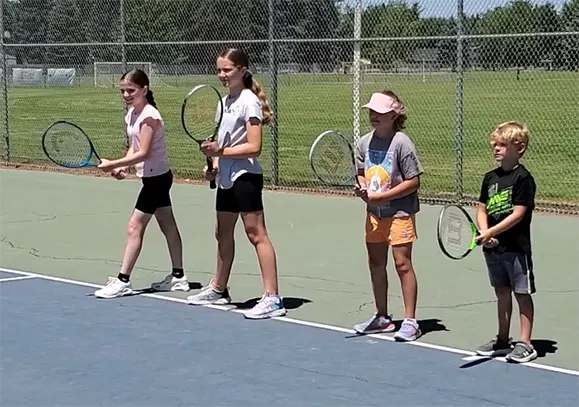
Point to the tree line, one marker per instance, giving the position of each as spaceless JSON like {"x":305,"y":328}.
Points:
{"x":214,"y":24}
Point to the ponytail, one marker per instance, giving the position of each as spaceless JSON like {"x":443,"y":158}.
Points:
{"x":150,"y":98}
{"x":258,"y":90}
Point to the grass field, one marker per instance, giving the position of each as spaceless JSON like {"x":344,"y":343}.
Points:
{"x":548,"y":102}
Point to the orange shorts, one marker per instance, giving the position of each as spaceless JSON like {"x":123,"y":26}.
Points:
{"x":392,"y":231}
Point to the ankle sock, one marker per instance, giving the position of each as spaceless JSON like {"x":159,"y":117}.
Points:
{"x":177,"y":273}
{"x":124,"y":277}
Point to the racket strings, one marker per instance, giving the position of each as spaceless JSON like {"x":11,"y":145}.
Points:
{"x":456,"y":232}
{"x":67,"y":146}
{"x":202,"y":113}
{"x":332,"y":160}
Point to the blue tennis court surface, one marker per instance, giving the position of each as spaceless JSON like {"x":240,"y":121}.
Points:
{"x":60,"y":343}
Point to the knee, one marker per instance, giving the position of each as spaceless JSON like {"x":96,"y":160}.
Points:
{"x":223,"y":233}
{"x":503,"y":293}
{"x":376,"y":262}
{"x":403,"y":265}
{"x":255,"y":234}
{"x":135,"y":229}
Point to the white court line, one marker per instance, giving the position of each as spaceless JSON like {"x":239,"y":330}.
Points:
{"x":3,"y":280}
{"x":468,"y":354}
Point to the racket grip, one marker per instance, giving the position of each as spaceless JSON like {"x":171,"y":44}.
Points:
{"x":212,"y":183}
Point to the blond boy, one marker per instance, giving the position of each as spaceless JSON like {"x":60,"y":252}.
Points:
{"x":503,"y":217}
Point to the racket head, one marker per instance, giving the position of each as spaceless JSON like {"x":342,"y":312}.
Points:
{"x":456,"y":232}
{"x":332,"y":160}
{"x":68,"y":146}
{"x":201,"y":113}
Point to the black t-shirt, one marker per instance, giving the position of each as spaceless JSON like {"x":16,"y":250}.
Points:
{"x":500,"y":191}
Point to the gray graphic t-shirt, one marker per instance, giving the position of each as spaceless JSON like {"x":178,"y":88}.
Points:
{"x":386,"y":163}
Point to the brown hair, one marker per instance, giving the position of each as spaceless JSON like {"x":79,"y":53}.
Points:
{"x":240,"y":59}
{"x":401,"y":119}
{"x":140,"y":78}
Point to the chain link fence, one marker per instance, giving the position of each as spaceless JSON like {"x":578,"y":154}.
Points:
{"x":459,"y":71}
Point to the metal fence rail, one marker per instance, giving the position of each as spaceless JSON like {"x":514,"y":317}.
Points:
{"x":459,"y":71}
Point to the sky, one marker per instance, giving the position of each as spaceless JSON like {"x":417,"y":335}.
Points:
{"x":447,"y":8}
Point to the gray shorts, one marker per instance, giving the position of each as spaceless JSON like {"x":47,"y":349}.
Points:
{"x":509,"y":269}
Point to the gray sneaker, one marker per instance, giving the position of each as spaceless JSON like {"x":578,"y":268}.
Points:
{"x":376,"y":324}
{"x":208,"y":295}
{"x":409,"y":331}
{"x":495,"y":347}
{"x":522,"y":353}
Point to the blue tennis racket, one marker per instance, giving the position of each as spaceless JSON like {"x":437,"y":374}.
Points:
{"x":67,"y":145}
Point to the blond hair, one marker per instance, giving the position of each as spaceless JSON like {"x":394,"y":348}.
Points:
{"x":240,"y":59}
{"x":511,"y":132}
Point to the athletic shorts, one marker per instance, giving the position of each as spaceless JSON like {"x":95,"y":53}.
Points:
{"x":511,"y":269}
{"x":244,"y":196}
{"x":392,"y":231}
{"x":155,"y":193}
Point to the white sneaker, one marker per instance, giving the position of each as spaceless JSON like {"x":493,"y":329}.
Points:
{"x":268,"y":307}
{"x":171,"y":283}
{"x":208,"y":295}
{"x":114,"y":288}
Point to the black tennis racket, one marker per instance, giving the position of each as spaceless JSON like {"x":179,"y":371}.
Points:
{"x":201,"y":115}
{"x":456,"y":232}
{"x":332,"y":160}
{"x":67,"y":145}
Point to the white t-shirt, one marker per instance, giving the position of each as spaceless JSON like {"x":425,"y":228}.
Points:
{"x":233,"y":131}
{"x":158,"y":162}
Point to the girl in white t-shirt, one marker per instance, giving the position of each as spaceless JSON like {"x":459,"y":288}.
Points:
{"x":148,"y":154}
{"x":239,"y":178}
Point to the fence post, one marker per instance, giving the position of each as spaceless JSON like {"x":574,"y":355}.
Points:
{"x":123,"y":61}
{"x":356,"y":77}
{"x":3,"y":85}
{"x":273,"y":67}
{"x":459,"y":102}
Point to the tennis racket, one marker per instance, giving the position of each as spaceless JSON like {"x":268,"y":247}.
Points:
{"x":332,"y":160}
{"x":199,"y":116}
{"x":67,"y":145}
{"x":456,"y":232}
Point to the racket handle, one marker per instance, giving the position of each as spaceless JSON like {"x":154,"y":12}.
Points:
{"x":212,"y":183}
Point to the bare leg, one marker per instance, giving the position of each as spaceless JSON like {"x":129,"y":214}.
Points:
{"x":377,"y":259}
{"x":403,"y":260}
{"x":135,"y":232}
{"x":168,"y":225}
{"x":224,"y":233}
{"x":254,"y":223}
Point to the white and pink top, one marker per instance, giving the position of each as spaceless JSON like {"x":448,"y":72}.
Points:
{"x":158,"y":162}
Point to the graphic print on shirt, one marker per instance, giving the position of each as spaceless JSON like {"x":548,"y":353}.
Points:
{"x":499,"y":202}
{"x":378,"y":170}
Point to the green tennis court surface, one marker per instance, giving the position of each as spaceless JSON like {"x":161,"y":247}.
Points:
{"x":73,"y":227}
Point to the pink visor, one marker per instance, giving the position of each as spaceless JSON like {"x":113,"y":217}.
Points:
{"x":382,"y":104}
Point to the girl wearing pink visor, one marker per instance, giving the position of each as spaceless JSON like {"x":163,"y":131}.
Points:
{"x":389,"y":171}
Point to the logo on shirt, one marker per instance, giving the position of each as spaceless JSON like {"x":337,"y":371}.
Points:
{"x":499,"y":202}
{"x":378,"y":170}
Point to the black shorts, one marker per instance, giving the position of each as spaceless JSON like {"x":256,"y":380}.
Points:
{"x":511,"y":269}
{"x":155,"y":193}
{"x":244,"y":196}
